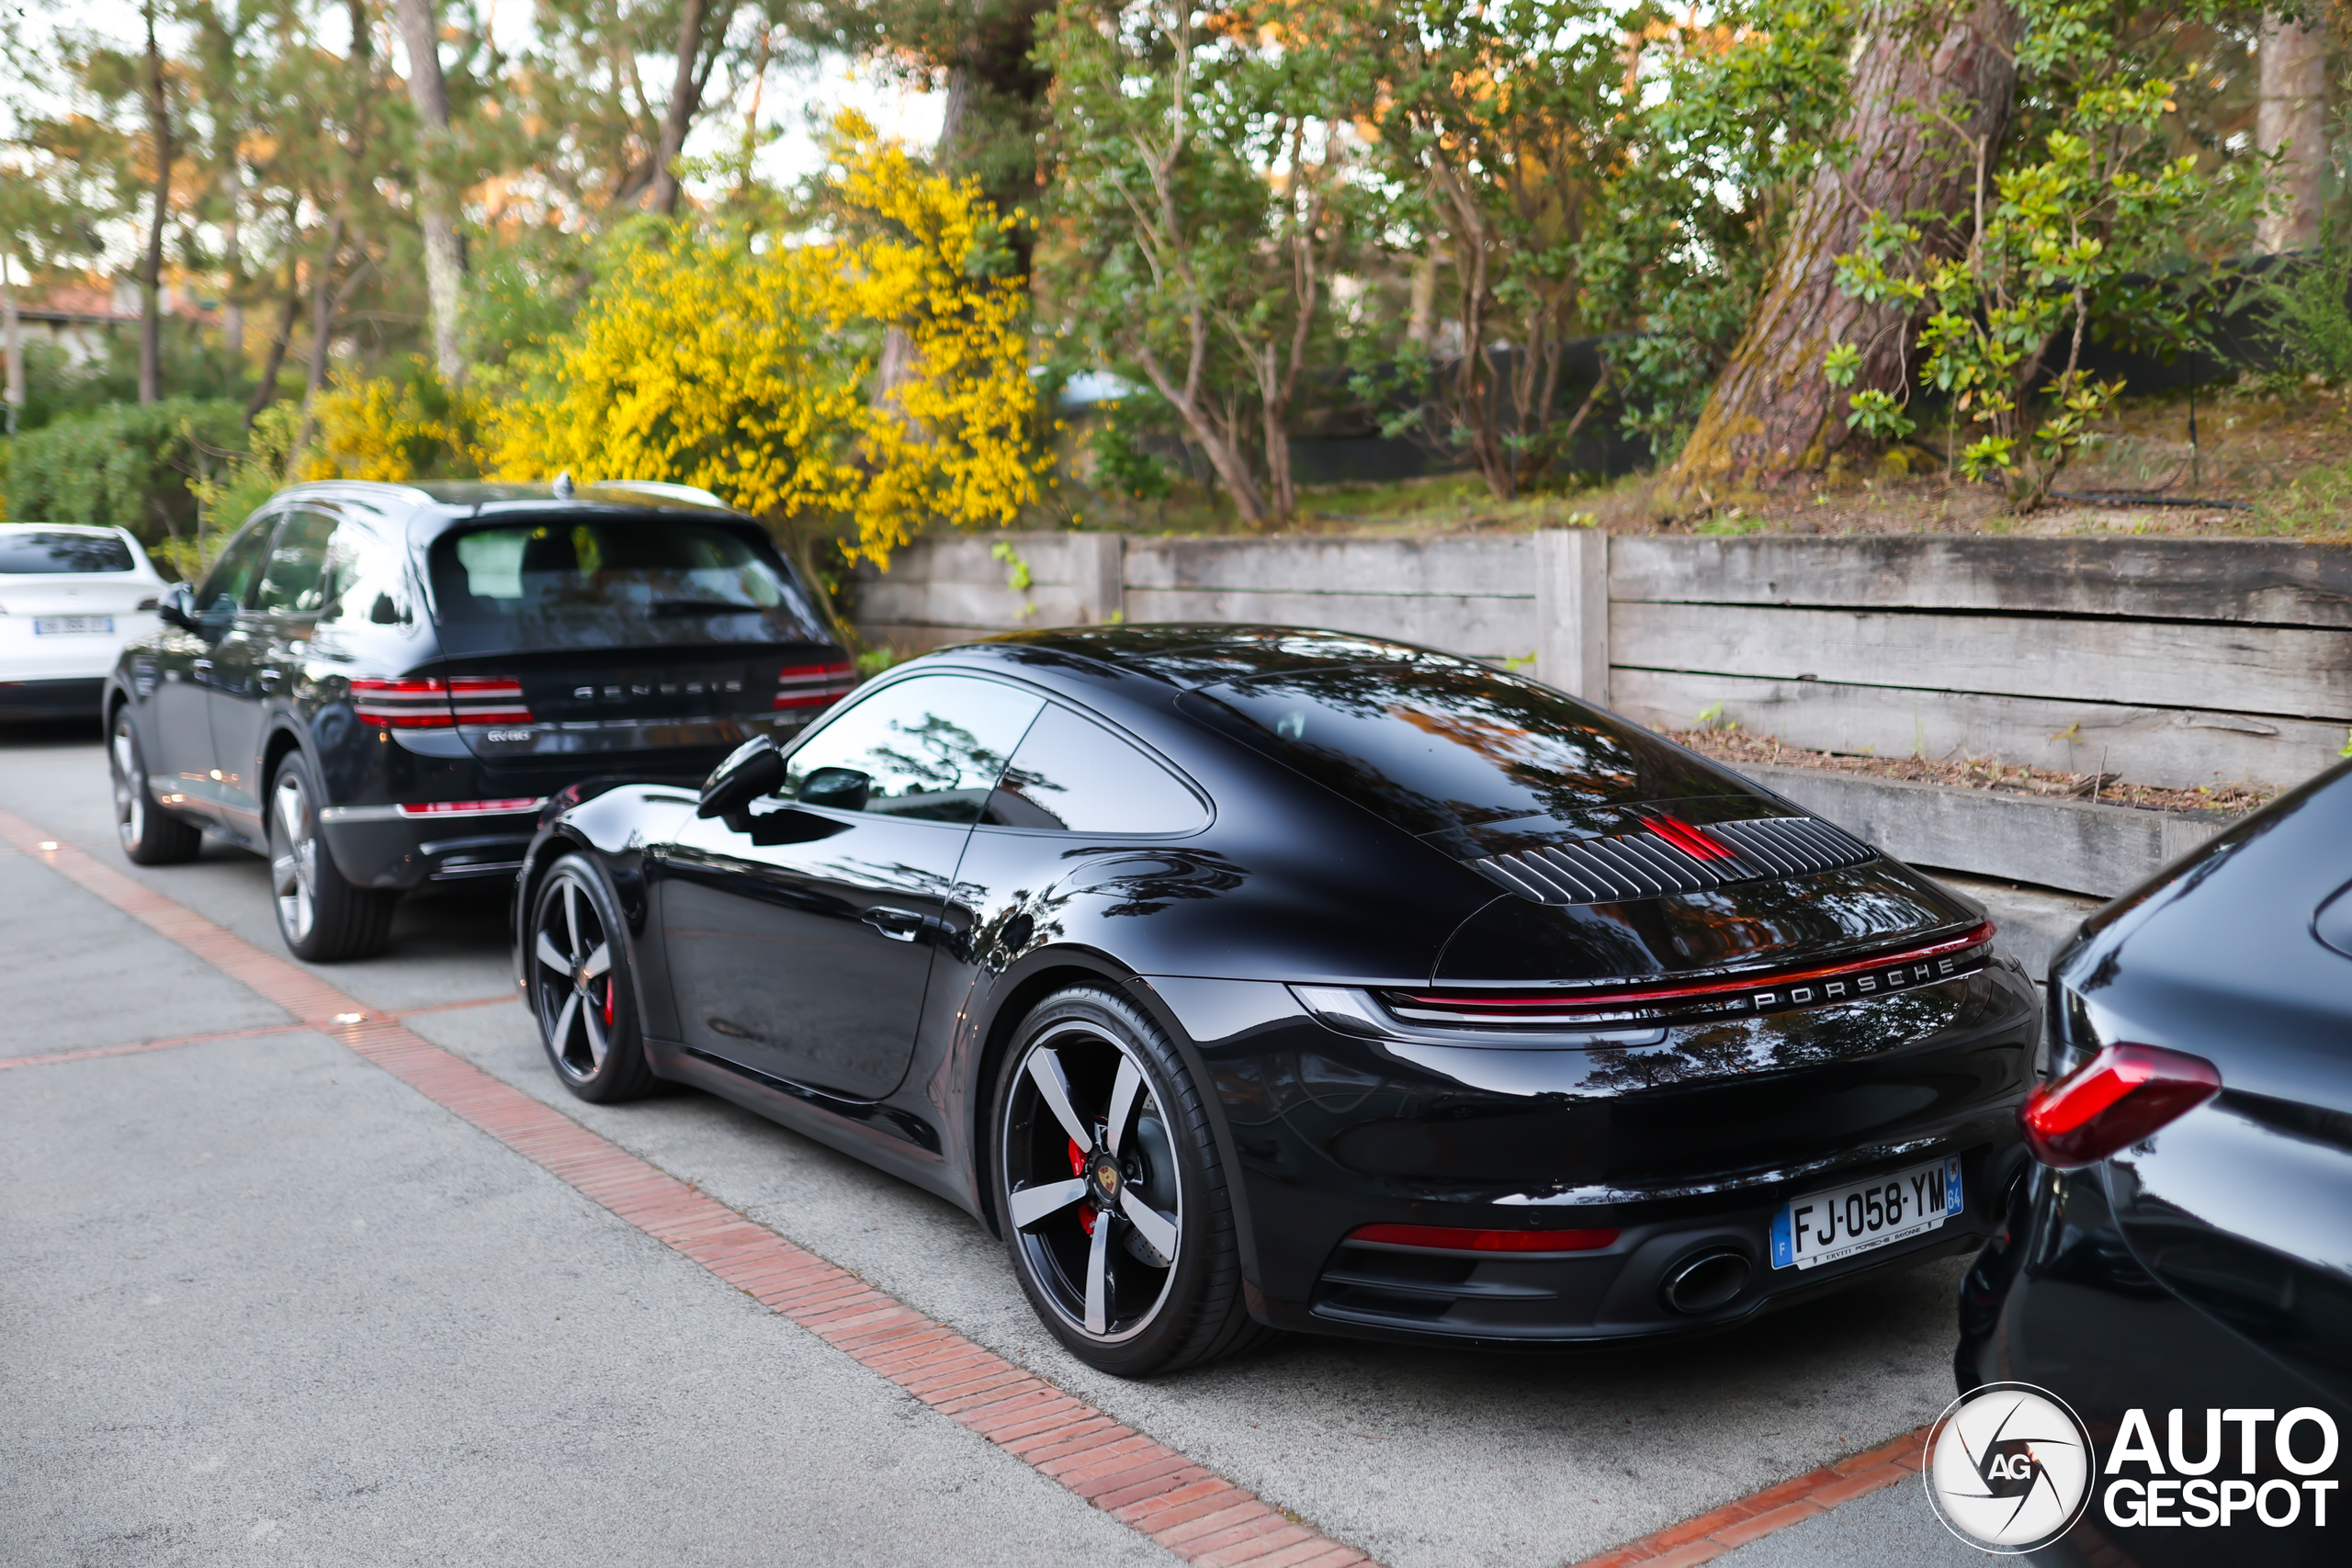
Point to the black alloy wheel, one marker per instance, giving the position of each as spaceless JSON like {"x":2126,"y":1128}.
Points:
{"x":1110,"y":1193}
{"x":322,"y":915}
{"x":150,"y":835}
{"x":580,"y":987}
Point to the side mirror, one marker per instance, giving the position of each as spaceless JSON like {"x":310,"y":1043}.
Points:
{"x":754,"y":768}
{"x":843,"y":789}
{"x":178,"y":607}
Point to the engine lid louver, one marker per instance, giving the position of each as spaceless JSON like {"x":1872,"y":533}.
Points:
{"x":1654,"y":861}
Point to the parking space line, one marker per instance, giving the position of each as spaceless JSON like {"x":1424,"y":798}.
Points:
{"x":1184,"y":1507}
{"x":1711,"y":1534}
{"x":134,"y":1048}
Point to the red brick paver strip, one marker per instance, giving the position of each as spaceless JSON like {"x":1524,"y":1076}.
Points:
{"x":1775,"y":1509}
{"x":988,"y":1394}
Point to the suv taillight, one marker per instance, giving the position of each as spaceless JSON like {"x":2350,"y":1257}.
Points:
{"x":813,"y":685}
{"x":2113,"y":1101}
{"x":430,"y":703}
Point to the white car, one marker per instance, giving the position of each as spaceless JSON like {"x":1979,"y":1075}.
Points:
{"x":70,"y":598}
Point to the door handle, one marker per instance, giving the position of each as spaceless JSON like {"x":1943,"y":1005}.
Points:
{"x":203,"y":667}
{"x":267,"y":680}
{"x":898,"y":925}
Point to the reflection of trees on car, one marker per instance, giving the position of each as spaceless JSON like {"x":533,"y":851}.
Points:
{"x":1432,"y":742}
{"x":940,"y":754}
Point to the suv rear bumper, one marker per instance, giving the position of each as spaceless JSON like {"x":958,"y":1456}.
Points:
{"x":77,"y":697}
{"x":393,"y":846}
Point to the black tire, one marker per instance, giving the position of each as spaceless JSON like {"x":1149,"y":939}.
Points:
{"x":150,"y":835}
{"x":1153,"y":1313}
{"x":583,"y":993}
{"x":322,"y":916}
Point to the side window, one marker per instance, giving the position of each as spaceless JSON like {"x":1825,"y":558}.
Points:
{"x":293,"y":583}
{"x":229,"y":586}
{"x":1071,"y":775}
{"x":362,"y":583}
{"x":931,"y":747}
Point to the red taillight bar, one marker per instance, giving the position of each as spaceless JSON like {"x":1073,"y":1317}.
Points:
{"x":2113,"y":1101}
{"x":1626,"y":996}
{"x":427,"y":702}
{"x":1449,"y":1238}
{"x":469,"y":807}
{"x":814,"y":685}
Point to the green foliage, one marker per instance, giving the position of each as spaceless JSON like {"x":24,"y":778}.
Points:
{"x":1740,"y":118}
{"x":126,"y":465}
{"x":2095,"y":221}
{"x":1121,"y":464}
{"x":2306,"y":308}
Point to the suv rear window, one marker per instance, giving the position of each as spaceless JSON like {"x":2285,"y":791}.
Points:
{"x":601,"y":581}
{"x":1431,"y":742}
{"x":39,"y":552}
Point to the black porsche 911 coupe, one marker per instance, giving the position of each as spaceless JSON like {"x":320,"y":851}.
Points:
{"x":1251,"y":978}
{"x":2184,"y":1251}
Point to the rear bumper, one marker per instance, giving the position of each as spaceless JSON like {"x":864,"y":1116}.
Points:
{"x":1619,"y":1294}
{"x":378,"y":846}
{"x":74,"y":697}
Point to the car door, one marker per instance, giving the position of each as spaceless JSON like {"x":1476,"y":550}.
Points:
{"x":799,"y":933}
{"x":253,"y":664}
{"x":188,"y":664}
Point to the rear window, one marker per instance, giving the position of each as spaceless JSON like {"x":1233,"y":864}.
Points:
{"x":40,"y":552}
{"x":604,"y":583}
{"x":1432,"y":743}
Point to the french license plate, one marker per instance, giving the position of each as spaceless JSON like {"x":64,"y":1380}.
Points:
{"x":71,"y":625}
{"x":1822,"y":1227}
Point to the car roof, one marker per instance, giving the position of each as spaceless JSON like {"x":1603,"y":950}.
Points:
{"x":428,"y":508}
{"x":1187,"y":655}
{"x":95,"y":529}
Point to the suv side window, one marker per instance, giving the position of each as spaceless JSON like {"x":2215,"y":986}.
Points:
{"x":930,"y":746}
{"x":229,"y":586}
{"x":1069,"y":775}
{"x":293,"y":583}
{"x":363,"y":583}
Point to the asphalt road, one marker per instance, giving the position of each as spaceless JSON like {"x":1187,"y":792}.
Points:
{"x":259,"y":1302}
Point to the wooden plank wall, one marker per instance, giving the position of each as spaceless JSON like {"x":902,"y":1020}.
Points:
{"x":2178,"y":662}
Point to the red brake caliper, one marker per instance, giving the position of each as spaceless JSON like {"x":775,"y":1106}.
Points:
{"x":608,"y":1001}
{"x":1078,"y":1169}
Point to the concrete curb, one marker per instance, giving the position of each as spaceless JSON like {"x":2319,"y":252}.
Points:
{"x":2069,"y":844}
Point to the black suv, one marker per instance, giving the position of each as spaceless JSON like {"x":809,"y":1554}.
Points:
{"x":377,"y":685}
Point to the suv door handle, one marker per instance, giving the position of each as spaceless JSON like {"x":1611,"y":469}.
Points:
{"x":898,"y":925}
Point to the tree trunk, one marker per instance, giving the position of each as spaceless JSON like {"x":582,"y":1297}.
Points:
{"x":12,"y":342}
{"x":151,"y":272}
{"x":444,"y":268}
{"x":2292,"y":113}
{"x":678,"y":118}
{"x":265,"y":388}
{"x":1922,"y":123}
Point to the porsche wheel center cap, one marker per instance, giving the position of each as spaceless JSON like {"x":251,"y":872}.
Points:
{"x":1107,"y":1179}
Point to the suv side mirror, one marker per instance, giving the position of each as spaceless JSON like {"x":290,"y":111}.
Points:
{"x":178,"y":607}
{"x":843,"y":789}
{"x":754,"y":768}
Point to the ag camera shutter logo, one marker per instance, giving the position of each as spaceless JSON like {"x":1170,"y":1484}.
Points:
{"x":2009,"y":1467}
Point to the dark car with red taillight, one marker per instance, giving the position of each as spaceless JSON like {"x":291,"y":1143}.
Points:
{"x":2177,"y":1265}
{"x":379,"y":685}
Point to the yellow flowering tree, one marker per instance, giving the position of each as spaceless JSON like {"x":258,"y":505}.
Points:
{"x":747,"y":368}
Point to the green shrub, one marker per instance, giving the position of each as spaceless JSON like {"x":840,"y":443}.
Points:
{"x":125,"y":465}
{"x":2305,"y":303}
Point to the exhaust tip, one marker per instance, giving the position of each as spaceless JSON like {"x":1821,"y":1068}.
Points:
{"x":1703,"y":1282}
